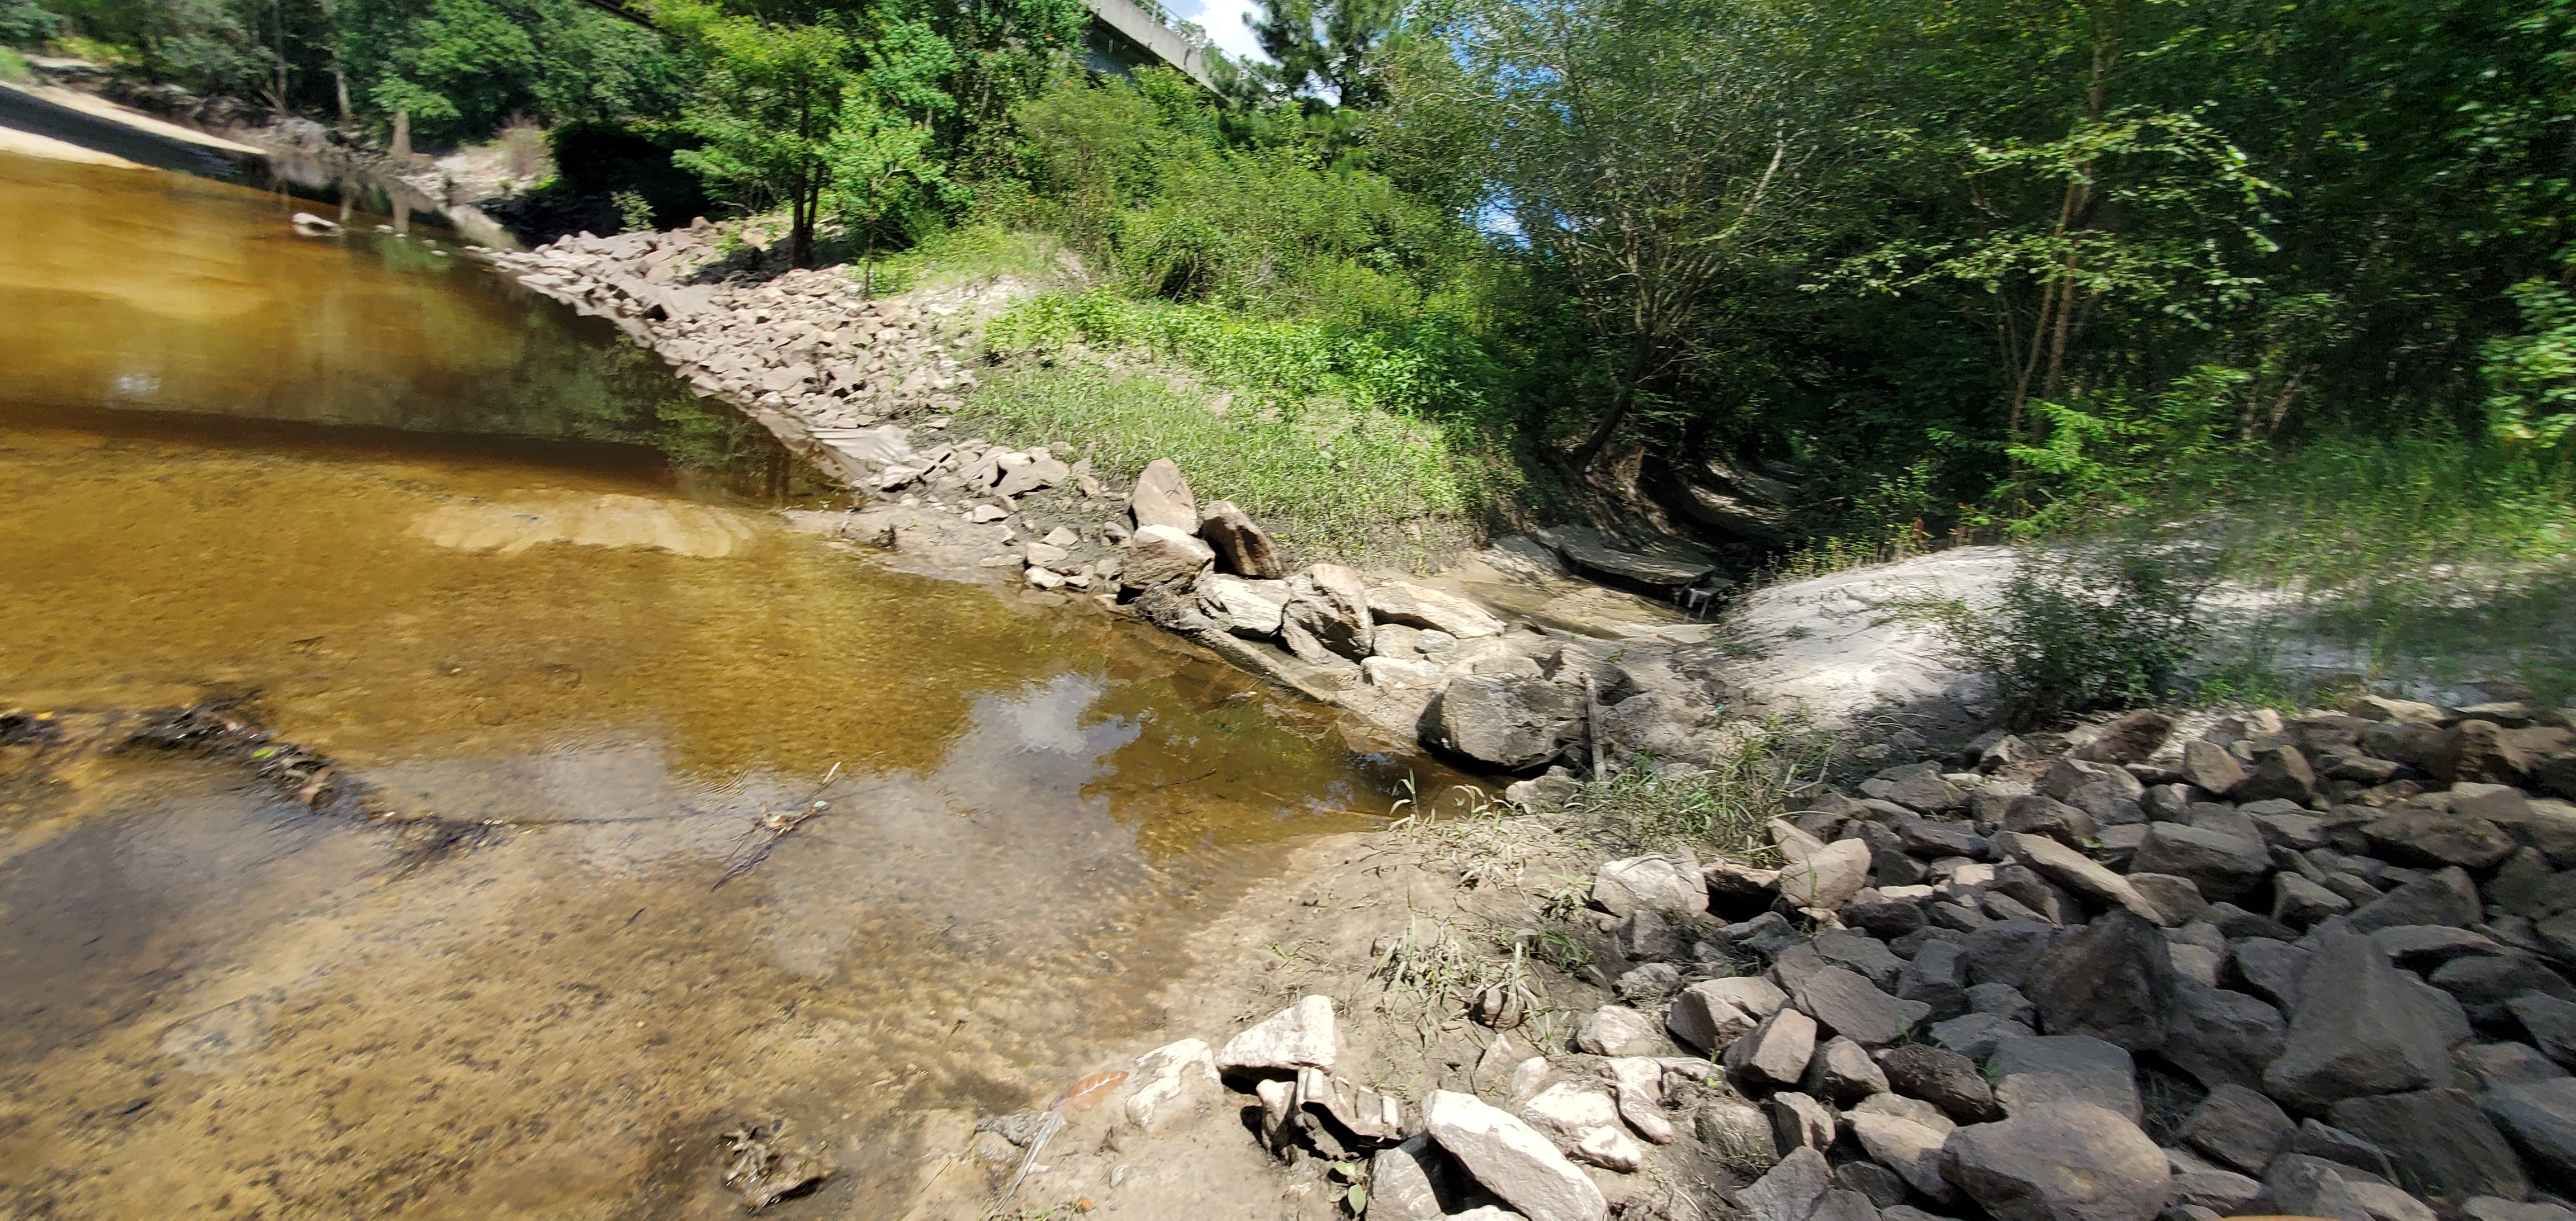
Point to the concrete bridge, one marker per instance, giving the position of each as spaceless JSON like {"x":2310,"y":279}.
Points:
{"x":1123,"y":37}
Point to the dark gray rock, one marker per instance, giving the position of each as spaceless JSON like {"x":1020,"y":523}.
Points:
{"x":2239,"y":1127}
{"x":1927,"y":838}
{"x":1860,"y":954}
{"x":1777,"y":1051}
{"x":2539,"y":1117}
{"x":2483,"y":986}
{"x":2112,"y":980}
{"x":2278,"y":772}
{"x":2447,"y":897}
{"x":2551,"y":1023}
{"x":1790,"y":1190}
{"x":2220,"y":1191}
{"x":2129,"y":738}
{"x":1802,"y":1121}
{"x":2038,"y":1072}
{"x":2489,"y":1065}
{"x":2495,"y":1208}
{"x":2070,"y":1162}
{"x":1844,"y":1204}
{"x":2298,"y":902}
{"x":2423,"y":947}
{"x":1848,"y":1005}
{"x":2444,"y":1150}
{"x":2221,"y":1037}
{"x":1241,"y":546}
{"x":2361,"y":1027}
{"x":2004,"y":1000}
{"x":2003,"y":952}
{"x":2223,"y":866}
{"x":1884,"y":1187}
{"x":1882,"y":917}
{"x":2179,"y":898}
{"x":1937,"y":977}
{"x":2319,"y":1139}
{"x":1924,"y":791}
{"x":2269,"y":969}
{"x":1944,"y":1078}
{"x":1889,"y":862}
{"x":1978,"y":1035}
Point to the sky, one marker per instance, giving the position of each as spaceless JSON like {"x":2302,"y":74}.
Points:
{"x":1224,"y":22}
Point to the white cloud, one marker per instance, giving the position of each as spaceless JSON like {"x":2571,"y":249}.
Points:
{"x":1224,"y":22}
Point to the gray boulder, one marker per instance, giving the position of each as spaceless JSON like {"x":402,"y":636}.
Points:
{"x":2361,"y":1027}
{"x":1663,"y":882}
{"x":2539,"y":1117}
{"x":1978,"y":1035}
{"x":2313,"y":1187}
{"x":1418,"y":606}
{"x":1506,"y":721}
{"x":2551,"y":1022}
{"x":2222,"y":1037}
{"x":1937,"y":976}
{"x":2443,"y":1148}
{"x":2004,"y":952}
{"x":2445,"y":897}
{"x":1850,"y":1006}
{"x":1842,"y":1073}
{"x":2036,"y":1073}
{"x":2223,"y":866}
{"x":1943,"y":1078}
{"x":2208,"y":766}
{"x":2069,"y":1162}
{"x":2239,"y":1127}
{"x":1777,"y":1051}
{"x":2279,"y":772}
{"x":2112,"y":980}
{"x":2419,"y":835}
{"x":1790,"y":1190}
{"x":2076,"y":872}
{"x":1243,"y":607}
{"x":1242,"y":546}
{"x":2269,"y":969}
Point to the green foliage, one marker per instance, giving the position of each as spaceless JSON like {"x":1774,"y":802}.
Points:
{"x":25,"y":23}
{"x":766,"y":113}
{"x":1722,"y":809}
{"x":634,"y":212}
{"x":2534,"y":370}
{"x":2084,"y":630}
{"x":880,"y":165}
{"x":462,"y":67}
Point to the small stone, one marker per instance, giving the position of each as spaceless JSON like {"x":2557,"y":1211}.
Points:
{"x":1978,"y":1035}
{"x":2278,"y":772}
{"x":2208,"y":766}
{"x":1703,"y":1019}
{"x":1568,"y":1112}
{"x":1911,"y":1149}
{"x":1610,"y":1149}
{"x":1406,"y":1181}
{"x":1300,"y":1036}
{"x":1826,"y":878}
{"x":1790,"y":1190}
{"x":1162,"y":555}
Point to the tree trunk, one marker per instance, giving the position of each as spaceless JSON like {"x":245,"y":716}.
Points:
{"x":1621,"y":398}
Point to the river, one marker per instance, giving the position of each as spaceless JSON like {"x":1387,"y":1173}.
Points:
{"x":499,"y":564}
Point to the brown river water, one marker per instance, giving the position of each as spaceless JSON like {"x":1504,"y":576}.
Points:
{"x":502,"y":567}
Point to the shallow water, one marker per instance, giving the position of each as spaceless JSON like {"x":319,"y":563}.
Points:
{"x":504,"y":570}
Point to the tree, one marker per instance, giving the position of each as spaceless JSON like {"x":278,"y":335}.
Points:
{"x":1332,"y":45}
{"x":766,"y":112}
{"x":881,"y":164}
{"x":1646,"y":152}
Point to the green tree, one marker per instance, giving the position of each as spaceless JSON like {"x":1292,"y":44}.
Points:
{"x":766,"y":112}
{"x":881,"y":165}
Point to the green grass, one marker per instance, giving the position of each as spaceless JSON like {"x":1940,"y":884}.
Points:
{"x":13,"y":67}
{"x":968,"y":254}
{"x":1328,"y":481}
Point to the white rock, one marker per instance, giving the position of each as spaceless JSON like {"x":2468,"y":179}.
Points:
{"x":1640,"y":1092}
{"x":1179,"y":1084}
{"x":1397,"y":673}
{"x":1569,"y":1112}
{"x":1664,"y":883}
{"x":1909,"y":1148}
{"x":1611,"y":1149}
{"x":1159,"y":555}
{"x":1528,"y":1076}
{"x":1826,"y":879}
{"x":1413,"y":605}
{"x":1512,"y":1160}
{"x":1616,"y":1030}
{"x":1300,"y":1036}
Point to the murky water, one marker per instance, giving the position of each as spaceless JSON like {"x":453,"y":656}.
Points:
{"x":504,"y":570}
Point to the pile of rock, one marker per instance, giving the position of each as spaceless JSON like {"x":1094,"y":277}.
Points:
{"x":2315,"y":966}
{"x":806,"y":344}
